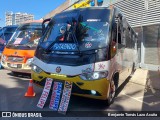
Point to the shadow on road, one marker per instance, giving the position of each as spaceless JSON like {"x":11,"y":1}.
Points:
{"x":20,"y":75}
{"x":121,"y":87}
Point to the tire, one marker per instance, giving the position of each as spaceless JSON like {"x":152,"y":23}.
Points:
{"x":111,"y":97}
{"x":1,"y":67}
{"x":112,"y":89}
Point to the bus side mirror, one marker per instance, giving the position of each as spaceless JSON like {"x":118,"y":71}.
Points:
{"x":44,"y":24}
{"x":5,"y":44}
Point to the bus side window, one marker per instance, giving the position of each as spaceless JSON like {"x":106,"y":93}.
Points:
{"x":119,"y":38}
{"x":119,"y":26}
{"x":128,"y":37}
{"x":124,"y":31}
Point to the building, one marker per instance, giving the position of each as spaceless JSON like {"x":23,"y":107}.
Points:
{"x":143,"y":15}
{"x":8,"y":18}
{"x":62,"y":7}
{"x":17,"y":18}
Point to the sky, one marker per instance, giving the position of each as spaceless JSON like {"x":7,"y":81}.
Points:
{"x":39,"y":8}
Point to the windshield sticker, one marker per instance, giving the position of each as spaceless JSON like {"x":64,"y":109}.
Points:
{"x":64,"y":46}
{"x":93,"y":20}
{"x":18,"y":41}
{"x":106,"y":24}
{"x":101,"y":66}
{"x":89,"y":26}
{"x":88,"y":45}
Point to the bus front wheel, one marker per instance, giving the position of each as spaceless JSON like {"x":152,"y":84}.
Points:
{"x":111,"y":96}
{"x":112,"y":89}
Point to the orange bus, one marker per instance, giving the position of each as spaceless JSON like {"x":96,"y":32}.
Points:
{"x":18,"y":53}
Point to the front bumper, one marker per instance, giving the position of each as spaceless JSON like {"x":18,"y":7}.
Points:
{"x":19,"y":67}
{"x":79,"y":87}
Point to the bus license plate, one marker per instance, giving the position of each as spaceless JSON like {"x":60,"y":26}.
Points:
{"x":13,"y":65}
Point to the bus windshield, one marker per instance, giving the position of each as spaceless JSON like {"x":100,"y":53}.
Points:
{"x":1,"y":31}
{"x":78,"y":30}
{"x":27,"y":35}
{"x":6,"y":32}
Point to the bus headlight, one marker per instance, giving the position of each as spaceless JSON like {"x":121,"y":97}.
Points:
{"x":36,"y":69}
{"x":29,"y":61}
{"x":94,"y":75}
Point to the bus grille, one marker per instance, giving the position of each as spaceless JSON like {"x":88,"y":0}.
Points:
{"x":15,"y":59}
{"x":17,"y":66}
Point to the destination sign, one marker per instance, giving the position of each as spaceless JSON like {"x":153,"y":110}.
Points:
{"x":64,"y":46}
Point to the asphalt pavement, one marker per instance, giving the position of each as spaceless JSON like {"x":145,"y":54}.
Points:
{"x":136,"y":94}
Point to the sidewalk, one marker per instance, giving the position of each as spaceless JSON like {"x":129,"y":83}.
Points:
{"x":148,"y":78}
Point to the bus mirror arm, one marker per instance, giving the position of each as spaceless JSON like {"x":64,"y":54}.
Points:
{"x":43,"y":24}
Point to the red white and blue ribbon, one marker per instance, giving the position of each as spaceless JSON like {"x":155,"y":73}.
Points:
{"x":65,"y":97}
{"x":56,"y":95}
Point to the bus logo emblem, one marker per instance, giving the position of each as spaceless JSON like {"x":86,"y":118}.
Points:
{"x":15,"y":52}
{"x":88,"y":45}
{"x":58,"y":69}
{"x":14,"y":59}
